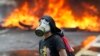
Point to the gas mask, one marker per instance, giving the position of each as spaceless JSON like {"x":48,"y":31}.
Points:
{"x":42,"y":28}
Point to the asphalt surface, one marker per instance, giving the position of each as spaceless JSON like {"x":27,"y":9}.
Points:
{"x":15,"y":39}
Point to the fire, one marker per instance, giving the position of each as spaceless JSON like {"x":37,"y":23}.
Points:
{"x":90,"y":23}
{"x":59,"y":10}
{"x":21,"y":16}
{"x":62,"y":16}
{"x":88,"y":41}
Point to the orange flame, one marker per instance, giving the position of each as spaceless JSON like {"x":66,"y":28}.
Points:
{"x":88,"y":41}
{"x":61,"y":13}
{"x":21,"y":15}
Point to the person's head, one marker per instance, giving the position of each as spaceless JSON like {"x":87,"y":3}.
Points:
{"x":47,"y":24}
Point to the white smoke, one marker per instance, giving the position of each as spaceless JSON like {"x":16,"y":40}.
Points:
{"x":5,"y":7}
{"x":8,"y":2}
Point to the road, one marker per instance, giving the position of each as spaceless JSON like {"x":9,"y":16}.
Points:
{"x":15,"y":39}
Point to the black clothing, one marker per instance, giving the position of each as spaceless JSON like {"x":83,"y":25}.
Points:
{"x":54,"y":43}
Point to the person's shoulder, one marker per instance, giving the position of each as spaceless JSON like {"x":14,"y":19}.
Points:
{"x":56,"y":37}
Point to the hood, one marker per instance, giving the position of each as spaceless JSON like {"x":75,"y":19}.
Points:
{"x":54,"y":29}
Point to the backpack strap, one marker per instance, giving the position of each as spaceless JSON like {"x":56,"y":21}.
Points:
{"x":65,"y":40}
{"x":69,"y":49}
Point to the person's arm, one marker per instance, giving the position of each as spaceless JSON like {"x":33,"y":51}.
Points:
{"x":60,"y":46}
{"x":62,"y":52}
